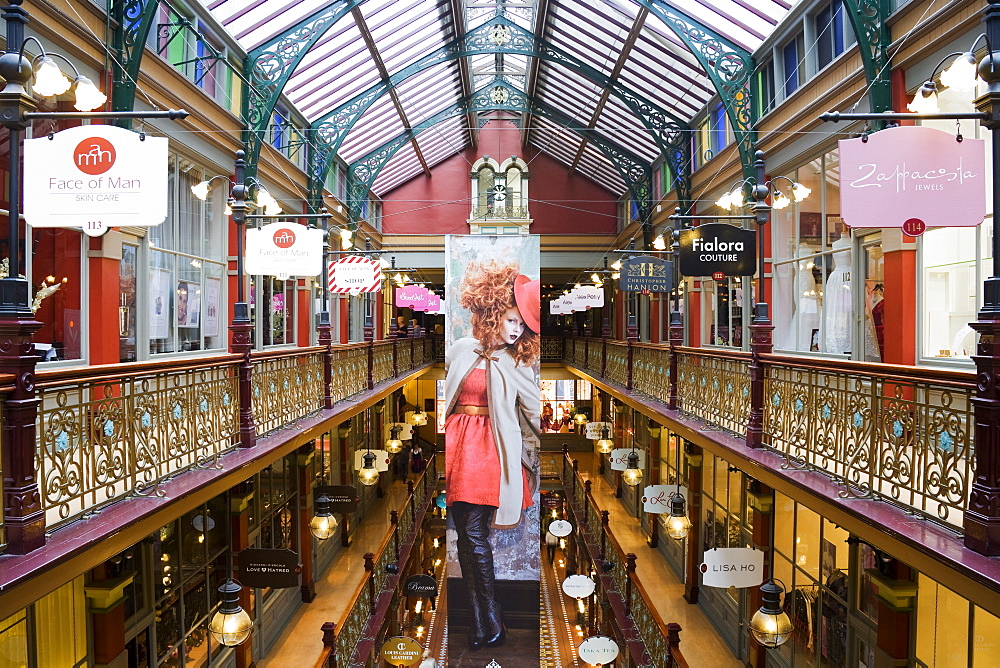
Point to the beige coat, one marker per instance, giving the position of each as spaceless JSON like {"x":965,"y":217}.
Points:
{"x":513,"y":396}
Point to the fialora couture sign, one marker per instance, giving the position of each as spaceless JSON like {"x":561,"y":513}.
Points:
{"x":912,"y":173}
{"x":95,"y":177}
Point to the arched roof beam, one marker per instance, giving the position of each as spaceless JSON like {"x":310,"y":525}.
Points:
{"x":868,"y":18}
{"x":330,"y":130}
{"x":636,"y":173}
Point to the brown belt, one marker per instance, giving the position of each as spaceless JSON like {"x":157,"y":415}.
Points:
{"x":483,"y":411}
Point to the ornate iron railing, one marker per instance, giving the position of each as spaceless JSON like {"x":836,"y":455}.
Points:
{"x":356,"y":631}
{"x":898,"y":433}
{"x":659,"y":640}
{"x":104,"y":432}
{"x":286,"y":386}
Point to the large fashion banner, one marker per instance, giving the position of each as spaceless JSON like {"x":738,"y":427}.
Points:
{"x":491,"y":448}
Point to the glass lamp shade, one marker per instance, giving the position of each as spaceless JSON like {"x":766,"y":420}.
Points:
{"x":800,"y":192}
{"x":231,"y":625}
{"x":323,"y":524}
{"x":393,"y":445}
{"x":678,"y":524}
{"x":200,"y":190}
{"x":962,"y":73}
{"x":659,"y":243}
{"x":49,"y":79}
{"x":632,"y":475}
{"x":88,"y":96}
{"x":605,"y":445}
{"x":580,"y":418}
{"x":926,"y":100}
{"x":770,"y":626}
{"x":368,"y":474}
{"x":418,"y":418}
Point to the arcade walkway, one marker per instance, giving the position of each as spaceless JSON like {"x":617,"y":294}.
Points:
{"x":301,"y":643}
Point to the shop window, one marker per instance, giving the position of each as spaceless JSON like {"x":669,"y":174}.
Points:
{"x":53,"y":265}
{"x":60,"y":627}
{"x":186,"y":267}
{"x":765,"y":88}
{"x":942,"y":628}
{"x":127,"y":321}
{"x":812,"y":558}
{"x":278,"y":310}
{"x":724,"y":303}
{"x":558,"y":399}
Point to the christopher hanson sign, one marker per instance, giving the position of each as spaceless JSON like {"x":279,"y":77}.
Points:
{"x":645,"y":273}
{"x":912,"y":173}
{"x":718,"y":248}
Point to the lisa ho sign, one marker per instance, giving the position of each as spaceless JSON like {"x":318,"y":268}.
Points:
{"x":95,"y":177}
{"x":915,"y":173}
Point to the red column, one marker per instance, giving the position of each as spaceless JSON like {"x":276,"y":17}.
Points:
{"x":104,"y":266}
{"x":900,"y":301}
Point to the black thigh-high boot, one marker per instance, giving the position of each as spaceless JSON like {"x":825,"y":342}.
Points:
{"x":460,"y":513}
{"x":484,"y":574}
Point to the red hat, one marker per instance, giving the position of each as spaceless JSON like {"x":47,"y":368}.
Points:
{"x":528,"y":297}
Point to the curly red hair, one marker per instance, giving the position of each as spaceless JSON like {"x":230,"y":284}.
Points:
{"x":487,"y":291}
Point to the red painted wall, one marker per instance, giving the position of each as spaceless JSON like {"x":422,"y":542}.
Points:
{"x":560,"y":201}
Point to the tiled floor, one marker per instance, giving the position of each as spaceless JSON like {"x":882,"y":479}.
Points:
{"x":700,"y":643}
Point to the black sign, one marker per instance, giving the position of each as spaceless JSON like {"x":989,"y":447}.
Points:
{"x":421,"y":585}
{"x":269,"y":568}
{"x":343,"y":498}
{"x":436,"y":527}
{"x":718,"y":248}
{"x":646,"y":273}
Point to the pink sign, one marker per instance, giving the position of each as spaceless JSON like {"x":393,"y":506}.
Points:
{"x":410,"y":295}
{"x":908,"y":175}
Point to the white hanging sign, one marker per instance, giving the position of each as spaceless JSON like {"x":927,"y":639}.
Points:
{"x":355,"y":274}
{"x":738,"y":567}
{"x":284,"y":249}
{"x":95,"y":177}
{"x":619,"y":458}
{"x":381,"y":462}
{"x":560,"y":528}
{"x":589,"y":296}
{"x":578,"y":586}
{"x":656,"y":498}
{"x":598,"y":650}
{"x":595,"y":429}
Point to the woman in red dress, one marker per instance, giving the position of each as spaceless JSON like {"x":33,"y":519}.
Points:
{"x":491,"y":394}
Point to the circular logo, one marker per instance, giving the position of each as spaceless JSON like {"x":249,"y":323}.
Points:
{"x":401,"y":651}
{"x":284,"y":238}
{"x":914,"y":227}
{"x":598,"y":650}
{"x":560,"y":528}
{"x":94,"y":155}
{"x":578,"y":586}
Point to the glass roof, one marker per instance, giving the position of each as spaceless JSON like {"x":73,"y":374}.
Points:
{"x":623,"y":43}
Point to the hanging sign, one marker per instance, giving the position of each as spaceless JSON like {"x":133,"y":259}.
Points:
{"x":656,"y":498}
{"x":269,"y":568}
{"x":409,"y":296}
{"x":355,"y":274}
{"x":560,"y":528}
{"x":381,"y":462}
{"x":641,"y":273}
{"x":424,"y":586}
{"x":619,"y":458}
{"x":595,"y":429}
{"x":434,"y":304}
{"x":401,"y":651}
{"x":343,"y":498}
{"x":598,"y":650}
{"x":912,"y":172}
{"x":718,"y":248}
{"x":738,"y":567}
{"x":436,"y":527}
{"x":589,"y":296}
{"x":95,"y":177}
{"x":578,"y":586}
{"x":284,"y":249}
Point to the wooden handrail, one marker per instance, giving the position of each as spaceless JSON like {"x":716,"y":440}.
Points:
{"x":114,"y":372}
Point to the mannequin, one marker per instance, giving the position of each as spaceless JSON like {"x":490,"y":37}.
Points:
{"x":807,"y":300}
{"x":837,"y":315}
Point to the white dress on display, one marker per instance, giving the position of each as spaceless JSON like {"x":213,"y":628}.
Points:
{"x":807,"y":301}
{"x":839,"y":304}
